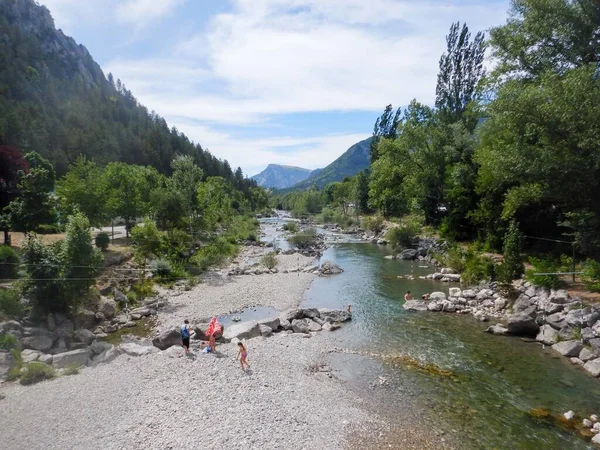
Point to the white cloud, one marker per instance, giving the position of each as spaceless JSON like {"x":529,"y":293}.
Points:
{"x":67,"y":12}
{"x":143,"y":12}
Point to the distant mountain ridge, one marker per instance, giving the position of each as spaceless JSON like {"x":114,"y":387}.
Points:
{"x":280,"y":176}
{"x":352,"y":161}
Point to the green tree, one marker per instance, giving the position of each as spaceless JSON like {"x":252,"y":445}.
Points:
{"x":148,"y":241}
{"x":214,"y":202}
{"x":361,"y":192}
{"x":186,"y":178}
{"x":512,"y":267}
{"x":386,"y":126}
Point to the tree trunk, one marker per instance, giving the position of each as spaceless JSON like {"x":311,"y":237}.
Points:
{"x":6,"y":238}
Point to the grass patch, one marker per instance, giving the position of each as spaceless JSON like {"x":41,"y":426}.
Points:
{"x":36,"y":371}
{"x":71,"y":369}
{"x":7,"y":341}
{"x":144,"y":328}
{"x":269,"y":260}
{"x":15,"y":371}
{"x":292,"y":227}
{"x":303,"y":239}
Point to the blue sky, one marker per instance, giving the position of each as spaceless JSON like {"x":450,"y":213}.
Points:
{"x":272,"y":81}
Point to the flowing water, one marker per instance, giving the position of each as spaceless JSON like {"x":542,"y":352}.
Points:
{"x":496,"y":380}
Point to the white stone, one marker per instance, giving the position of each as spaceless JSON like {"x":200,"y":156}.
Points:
{"x":133,"y":349}
{"x":79,"y":357}
{"x":587,"y":423}
{"x":594,"y":418}
{"x":242,"y":330}
{"x":569,"y":415}
{"x":454,"y":292}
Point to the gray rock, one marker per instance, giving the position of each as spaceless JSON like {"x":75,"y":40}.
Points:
{"x":552,"y":308}
{"x":79,"y":357}
{"x":481,"y":316}
{"x":133,"y":349}
{"x":6,"y":363}
{"x":200,"y":332}
{"x":560,"y":296}
{"x":144,"y":311}
{"x":328,"y":326}
{"x":290,"y":315}
{"x":567,"y":333}
{"x":434,"y":306}
{"x":46,"y":359}
{"x":329,"y":315}
{"x":85,"y":319}
{"x":484,"y":294}
{"x":556,"y":320}
{"x":265,"y":330}
{"x":586,"y":354}
{"x":523,"y":302}
{"x":330,"y":268}
{"x":568,"y":348}
{"x":10,"y":325}
{"x":108,"y":307}
{"x":273,"y":324}
{"x":547,"y":335}
{"x":454,"y":292}
{"x":500,"y":303}
{"x":596,"y":329}
{"x":30,"y":355}
{"x":593,"y":367}
{"x":498,"y":329}
{"x":83,"y":335}
{"x":60,"y":346}
{"x":469,"y":293}
{"x":595,"y":344}
{"x":574,"y":318}
{"x":415,"y":305}
{"x":285,"y":324}
{"x":587,"y":423}
{"x":120,"y":297}
{"x":167,"y":339}
{"x":522,"y":324}
{"x":305,"y":325}
{"x":587,"y":334}
{"x":242,"y":330}
{"x":107,"y":355}
{"x":437,"y":296}
{"x":447,"y":271}
{"x":593,"y":318}
{"x":408,"y":254}
{"x":311,"y":313}
{"x":42,"y":343}
{"x":98,"y":347}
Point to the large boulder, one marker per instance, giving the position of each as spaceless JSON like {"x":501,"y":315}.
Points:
{"x":167,"y":339}
{"x":80,"y":357}
{"x":568,"y":348}
{"x":120,"y":297}
{"x":85,"y":319}
{"x":586,"y":354}
{"x":575,"y":318}
{"x":28,"y":356}
{"x":285,"y":324}
{"x":547,"y":335}
{"x":242,"y":330}
{"x":6,"y":363}
{"x":107,"y":355}
{"x":330,"y":268}
{"x":133,"y":349}
{"x":333,"y":316}
{"x":593,"y":367}
{"x":437,"y":296}
{"x":408,"y":254}
{"x":469,"y":293}
{"x":265,"y":330}
{"x":595,"y":343}
{"x":272,"y":323}
{"x":107,"y":307}
{"x":42,"y":342}
{"x":305,"y":325}
{"x":434,"y":306}
{"x":522,"y":303}
{"x":99,"y":347}
{"x":311,"y":313}
{"x":291,"y":314}
{"x":415,"y":305}
{"x":560,"y":296}
{"x":522,"y":324}
{"x":200,"y":331}
{"x":556,"y":320}
{"x":83,"y":335}
{"x":10,"y":325}
{"x":454,"y":292}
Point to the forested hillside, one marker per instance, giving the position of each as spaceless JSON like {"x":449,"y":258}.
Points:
{"x":55,"y":100}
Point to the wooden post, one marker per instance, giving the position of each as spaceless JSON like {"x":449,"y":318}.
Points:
{"x":573,"y":263}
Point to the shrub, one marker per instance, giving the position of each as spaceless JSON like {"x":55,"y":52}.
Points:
{"x":37,"y":371}
{"x":269,"y":260}
{"x":591,"y":275}
{"x":403,"y":236}
{"x":71,"y":369}
{"x":102,"y":241}
{"x":131,"y":297}
{"x":477,"y":268}
{"x":143,"y":289}
{"x":543,"y":265}
{"x":512,"y":267}
{"x":303,"y":239}
{"x":9,"y":262}
{"x":8,"y":341}
{"x":10,"y":305}
{"x":455,"y":259}
{"x":15,"y":370}
{"x":374,"y":223}
{"x":161,"y":268}
{"x":213,"y":254}
{"x":292,"y":227}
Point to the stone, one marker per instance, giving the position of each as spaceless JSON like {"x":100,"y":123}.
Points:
{"x":595,"y":344}
{"x":569,"y":415}
{"x":285,"y":324}
{"x":469,"y":293}
{"x":434,"y":306}
{"x":498,"y":329}
{"x":587,"y":334}
{"x":133,"y":349}
{"x":552,"y":308}
{"x":290,"y":315}
{"x":560,"y":296}
{"x":567,"y":333}
{"x":167,"y":339}
{"x":408,"y":254}
{"x":596,"y":439}
{"x":311,"y":313}
{"x":6,"y":363}
{"x":83,"y":335}
{"x":500,"y":303}
{"x":330,"y":268}
{"x":100,"y":317}
{"x":107,"y":307}
{"x":134,"y":316}
{"x":576,"y":361}
{"x":530,"y":291}
{"x":29,"y":356}
{"x":596,"y":426}
{"x":415,"y":305}
{"x":437,"y":296}
{"x":265,"y":330}
{"x":98,"y":347}
{"x":200,"y":332}
{"x":60,"y":346}
{"x":328,"y":326}
{"x":120,"y":297}
{"x":596,"y":329}
{"x":522,"y":324}
{"x":305,"y":325}
{"x":107,"y":355}
{"x":481,"y":316}
{"x":110,"y":328}
{"x":10,"y":325}
{"x":447,"y":271}
{"x":593,"y":367}
{"x":587,"y":423}
{"x":42,"y":343}
{"x":574,"y":318}
{"x":547,"y":335}
{"x":593,"y":318}
{"x":80,"y":357}
{"x":242,"y":330}
{"x":484,"y":294}
{"x":273,"y":324}
{"x":454,"y":292}
{"x":46,"y":359}
{"x":129,"y":324}
{"x":144,"y":311}
{"x":568,"y":348}
{"x":556,"y":320}
{"x":85,"y":319}
{"x":594,"y":418}
{"x":333,"y":315}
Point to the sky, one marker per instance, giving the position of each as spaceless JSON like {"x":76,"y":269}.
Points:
{"x":256,"y":82}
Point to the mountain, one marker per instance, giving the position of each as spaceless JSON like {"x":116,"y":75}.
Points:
{"x":352,"y":161}
{"x":280,"y":177}
{"x":55,"y":99}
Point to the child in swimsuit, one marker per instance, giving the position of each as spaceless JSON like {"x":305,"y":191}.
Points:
{"x":242,"y":355}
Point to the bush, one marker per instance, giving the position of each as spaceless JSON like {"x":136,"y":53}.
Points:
{"x":512,"y":267}
{"x":9,"y":263}
{"x":455,"y":259}
{"x":543,"y":265}
{"x":131,"y":297}
{"x":102,"y":241}
{"x":373,"y":223}
{"x":591,"y":275}
{"x":10,"y":305}
{"x":213,"y":254}
{"x":37,"y":371}
{"x":477,"y":268}
{"x":292,"y":227}
{"x":143,"y":289}
{"x":303,"y":239}
{"x":8,"y":341}
{"x":71,"y":369}
{"x":269,"y":260}
{"x":161,"y":268}
{"x":403,"y":236}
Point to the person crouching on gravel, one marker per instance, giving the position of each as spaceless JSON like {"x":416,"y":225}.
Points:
{"x":243,"y":355}
{"x":185,"y":336}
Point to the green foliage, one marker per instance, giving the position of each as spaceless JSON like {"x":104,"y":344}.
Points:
{"x":36,"y":371}
{"x":512,"y":267}
{"x":148,"y":240}
{"x":403,"y":235}
{"x":373,"y":223}
{"x":455,"y":259}
{"x":591,"y":275}
{"x":242,"y":228}
{"x":15,"y":371}
{"x":102,"y":241}
{"x":213,"y":254}
{"x":9,"y":263}
{"x":10,"y":306}
{"x":292,"y":227}
{"x":303,"y":239}
{"x":477,"y":268}
{"x":143,"y":289}
{"x":71,"y":369}
{"x":543,"y":265}
{"x":161,"y":268}
{"x":269,"y":260}
{"x":8,"y":341}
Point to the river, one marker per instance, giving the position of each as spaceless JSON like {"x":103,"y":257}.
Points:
{"x":496,"y":380}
